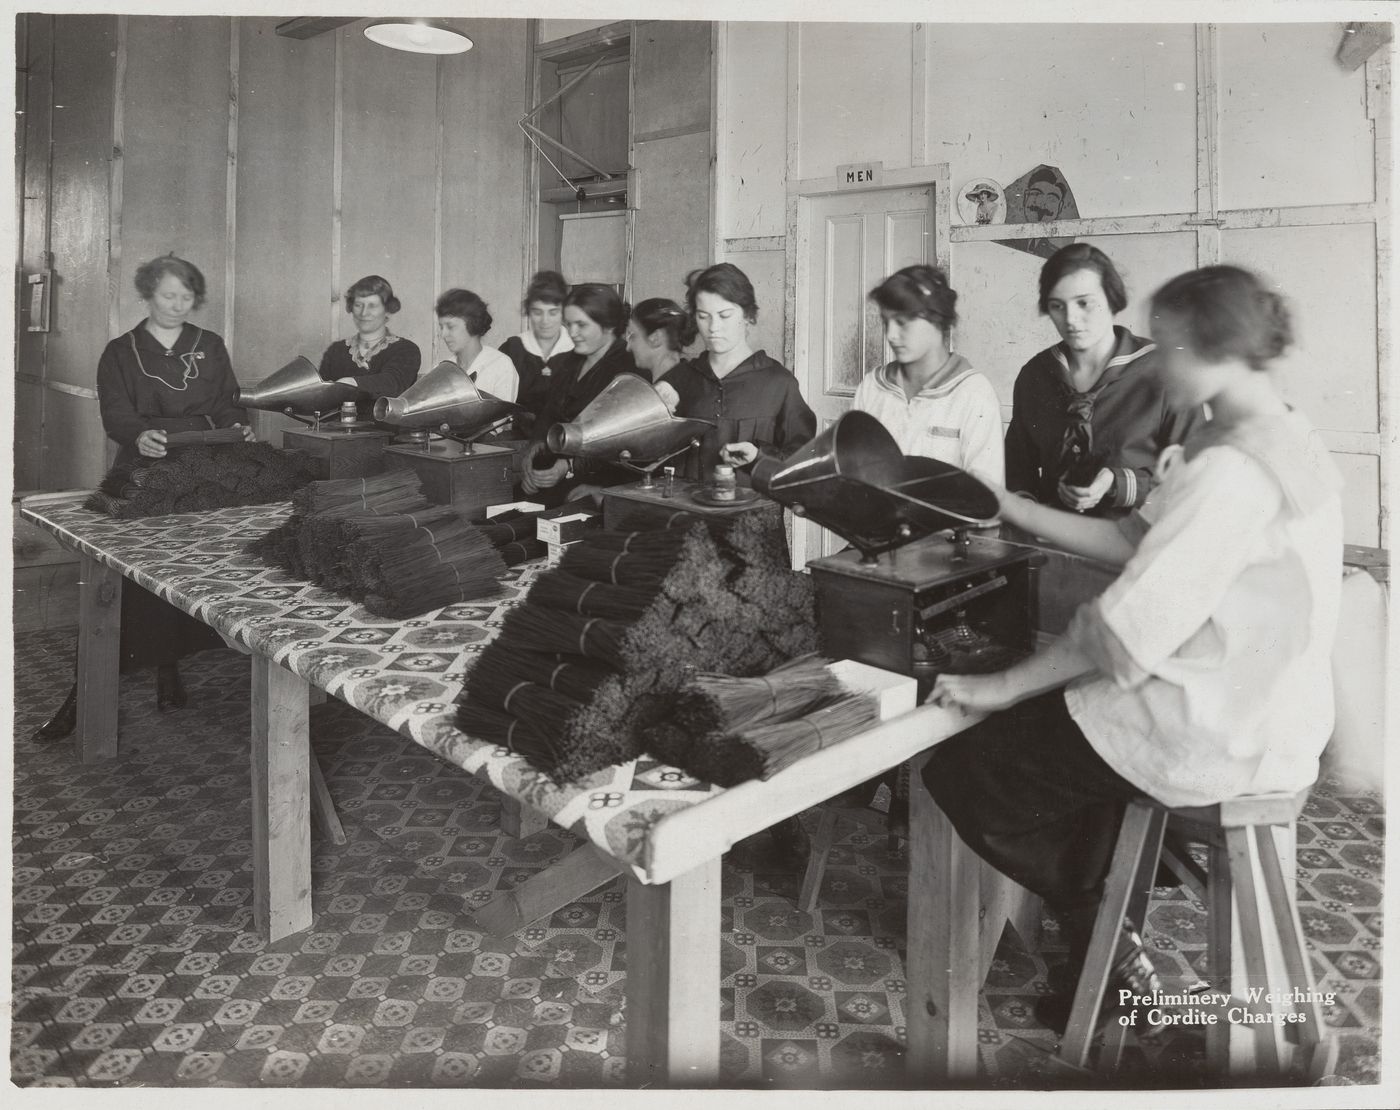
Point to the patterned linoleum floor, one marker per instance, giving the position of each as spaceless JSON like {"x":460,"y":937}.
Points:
{"x":134,"y":963}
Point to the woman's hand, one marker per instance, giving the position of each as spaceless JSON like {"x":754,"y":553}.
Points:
{"x":578,"y":493}
{"x":533,"y":480}
{"x":738,"y":454}
{"x":151,"y":443}
{"x":981,"y":693}
{"x":1080,"y":498}
{"x":248,"y":436}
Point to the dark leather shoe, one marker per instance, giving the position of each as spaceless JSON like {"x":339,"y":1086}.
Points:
{"x":62,"y":723}
{"x":1132,"y":970}
{"x":170,"y":691}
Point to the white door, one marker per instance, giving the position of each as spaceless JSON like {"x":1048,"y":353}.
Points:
{"x":853,"y":240}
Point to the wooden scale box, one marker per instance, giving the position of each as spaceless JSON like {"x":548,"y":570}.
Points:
{"x":341,"y":450}
{"x":466,"y":476}
{"x":957,"y":605}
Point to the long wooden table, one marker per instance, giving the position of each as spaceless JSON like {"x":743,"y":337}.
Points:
{"x":661,"y":828}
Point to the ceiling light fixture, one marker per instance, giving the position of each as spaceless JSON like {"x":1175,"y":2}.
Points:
{"x":419,"y":36}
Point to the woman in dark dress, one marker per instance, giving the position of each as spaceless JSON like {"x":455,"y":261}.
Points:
{"x":594,"y":317}
{"x":541,"y":350}
{"x":374,"y":360}
{"x":165,"y":375}
{"x":753,"y":400}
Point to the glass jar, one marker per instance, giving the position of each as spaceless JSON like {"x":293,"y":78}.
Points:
{"x":723,"y":485}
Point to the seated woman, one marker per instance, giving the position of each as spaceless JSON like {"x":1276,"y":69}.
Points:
{"x":541,"y":349}
{"x":657,"y":335}
{"x":753,"y":399}
{"x":594,"y":316}
{"x":932,"y":401}
{"x":1088,"y":417}
{"x":1203,"y":672}
{"x":165,"y":375}
{"x":374,"y":359}
{"x":462,"y":320}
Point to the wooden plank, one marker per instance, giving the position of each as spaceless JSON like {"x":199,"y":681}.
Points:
{"x":99,"y":657}
{"x":1379,"y":104}
{"x":46,"y":597}
{"x":942,"y":964}
{"x":673,"y":973}
{"x":32,"y":546}
{"x":231,"y":182}
{"x":1256,"y":971}
{"x":1220,"y":925}
{"x":323,"y":805}
{"x":672,"y":76}
{"x":1278,"y":885}
{"x":822,"y":841}
{"x":579,"y":873}
{"x":281,"y":751}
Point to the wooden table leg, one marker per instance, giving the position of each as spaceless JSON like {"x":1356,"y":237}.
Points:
{"x":99,"y":659}
{"x":281,"y":754}
{"x":943,"y":966}
{"x":673,"y":980}
{"x":323,"y":805}
{"x":583,"y":870}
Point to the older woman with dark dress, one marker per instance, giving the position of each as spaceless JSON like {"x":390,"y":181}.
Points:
{"x":374,"y":360}
{"x":165,"y":375}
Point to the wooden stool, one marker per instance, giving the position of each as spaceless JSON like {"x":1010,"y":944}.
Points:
{"x":1242,"y":852}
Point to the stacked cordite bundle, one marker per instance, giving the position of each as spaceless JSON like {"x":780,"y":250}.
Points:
{"x":727,"y":730}
{"x":513,"y":534}
{"x":584,"y":666}
{"x":393,"y":492}
{"x":379,"y":541}
{"x":201,"y":478}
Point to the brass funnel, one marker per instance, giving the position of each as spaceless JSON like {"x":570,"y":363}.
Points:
{"x":297,"y":387}
{"x":444,"y":395}
{"x":628,"y":420}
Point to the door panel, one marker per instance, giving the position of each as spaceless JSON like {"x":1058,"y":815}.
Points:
{"x":853,"y":241}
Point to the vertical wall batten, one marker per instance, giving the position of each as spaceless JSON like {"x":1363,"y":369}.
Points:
{"x":231,"y":184}
{"x":920,"y":35}
{"x":114,"y":196}
{"x":337,"y":169}
{"x":1378,"y":89}
{"x":792,"y":160}
{"x":1207,"y":144}
{"x":440,"y":109}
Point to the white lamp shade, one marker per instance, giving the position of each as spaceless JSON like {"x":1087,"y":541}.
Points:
{"x":419,"y":36}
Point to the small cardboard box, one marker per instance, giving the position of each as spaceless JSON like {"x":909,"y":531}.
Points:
{"x":896,"y":693}
{"x":493,"y":511}
{"x":567,"y":525}
{"x":554,"y":553}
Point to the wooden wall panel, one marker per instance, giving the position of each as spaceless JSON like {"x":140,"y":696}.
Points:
{"x":34,"y":97}
{"x":672,"y":80}
{"x":1328,"y":275}
{"x":753,"y":186}
{"x":483,"y":97}
{"x":671,"y":233}
{"x":175,"y":155}
{"x":283,"y":244}
{"x":592,"y":119}
{"x":765,"y":269}
{"x":856,"y":105}
{"x":82,"y":143}
{"x":389,"y":113}
{"x":75,"y":446}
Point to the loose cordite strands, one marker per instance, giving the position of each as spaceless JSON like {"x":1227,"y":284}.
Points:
{"x":493,"y":683}
{"x":764,"y":749}
{"x":491,"y":726}
{"x":711,"y":703}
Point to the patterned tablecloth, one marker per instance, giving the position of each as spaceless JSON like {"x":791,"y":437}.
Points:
{"x":406,"y":674}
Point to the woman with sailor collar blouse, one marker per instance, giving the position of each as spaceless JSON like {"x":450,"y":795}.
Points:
{"x":1088,"y":416}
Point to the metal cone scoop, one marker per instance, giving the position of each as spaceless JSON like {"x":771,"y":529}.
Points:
{"x":446,"y":394}
{"x":628,"y":419}
{"x":297,"y":387}
{"x":854,"y":479}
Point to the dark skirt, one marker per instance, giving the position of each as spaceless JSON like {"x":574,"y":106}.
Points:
{"x":154,"y":631}
{"x":1029,"y":794}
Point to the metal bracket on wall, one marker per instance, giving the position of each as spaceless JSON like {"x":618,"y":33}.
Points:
{"x":607,"y":183}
